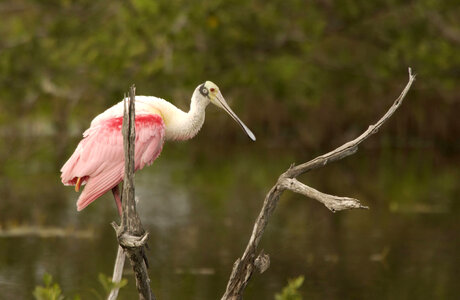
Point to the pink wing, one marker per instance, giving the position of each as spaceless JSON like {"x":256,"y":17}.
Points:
{"x":99,"y":157}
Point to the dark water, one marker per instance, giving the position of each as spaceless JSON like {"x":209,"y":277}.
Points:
{"x":199,"y":202}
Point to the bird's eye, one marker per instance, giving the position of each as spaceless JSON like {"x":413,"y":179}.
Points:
{"x":212,"y":89}
{"x":204,"y":91}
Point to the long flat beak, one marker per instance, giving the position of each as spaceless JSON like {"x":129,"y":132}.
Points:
{"x":220,"y":101}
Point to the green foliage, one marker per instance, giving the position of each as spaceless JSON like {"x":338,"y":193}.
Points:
{"x":291,"y":290}
{"x":282,"y":63}
{"x":108,"y":284}
{"x":51,"y":291}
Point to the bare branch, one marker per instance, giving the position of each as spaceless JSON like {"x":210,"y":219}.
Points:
{"x":117,"y":271}
{"x":244,"y":267}
{"x":262,"y":262}
{"x":333,"y":203}
{"x":352,"y":146}
{"x":132,"y":241}
{"x":131,"y":235}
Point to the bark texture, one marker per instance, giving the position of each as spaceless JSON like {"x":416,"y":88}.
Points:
{"x":131,"y":235}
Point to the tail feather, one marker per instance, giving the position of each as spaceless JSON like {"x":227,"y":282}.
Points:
{"x":98,"y":185}
{"x":67,"y":170}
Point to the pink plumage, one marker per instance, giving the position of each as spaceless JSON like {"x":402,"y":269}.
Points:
{"x":98,"y":160}
{"x":99,"y":157}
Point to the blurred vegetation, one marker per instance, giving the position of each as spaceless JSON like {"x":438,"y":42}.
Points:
{"x":109,"y":285}
{"x":280,"y":63}
{"x":304,"y":76}
{"x":52,"y":291}
{"x":291,"y":290}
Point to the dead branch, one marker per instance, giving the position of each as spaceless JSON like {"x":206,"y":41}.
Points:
{"x":131,"y":235}
{"x":117,"y":273}
{"x":244,"y":267}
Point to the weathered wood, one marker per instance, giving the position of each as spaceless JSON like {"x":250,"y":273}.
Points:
{"x":117,"y":272}
{"x":131,"y":235}
{"x":244,"y":267}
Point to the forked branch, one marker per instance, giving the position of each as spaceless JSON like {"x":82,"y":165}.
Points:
{"x":244,"y":267}
{"x":131,"y":235}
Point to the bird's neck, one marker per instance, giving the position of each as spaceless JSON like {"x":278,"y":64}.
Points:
{"x":180,"y":125}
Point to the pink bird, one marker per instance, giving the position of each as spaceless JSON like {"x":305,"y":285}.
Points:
{"x":98,"y":161}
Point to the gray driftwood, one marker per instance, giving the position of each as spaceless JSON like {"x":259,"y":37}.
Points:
{"x":131,"y":235}
{"x":117,"y":273}
{"x":251,"y":261}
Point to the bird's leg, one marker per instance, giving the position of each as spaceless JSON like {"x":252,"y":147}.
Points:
{"x":116,"y":196}
{"x":120,"y":260}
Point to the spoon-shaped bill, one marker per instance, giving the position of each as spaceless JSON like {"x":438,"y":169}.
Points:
{"x":223,"y":104}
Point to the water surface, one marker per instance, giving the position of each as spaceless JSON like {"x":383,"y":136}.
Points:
{"x":199,"y":201}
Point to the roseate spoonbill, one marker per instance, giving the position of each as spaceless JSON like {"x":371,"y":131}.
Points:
{"x":98,"y":160}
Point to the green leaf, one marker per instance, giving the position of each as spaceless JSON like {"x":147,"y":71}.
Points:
{"x":108,"y":284}
{"x":50,"y":291}
{"x":290,"y":291}
{"x":105,"y":281}
{"x":47,"y":279}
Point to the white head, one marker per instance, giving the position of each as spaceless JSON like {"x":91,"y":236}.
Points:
{"x":209,"y":92}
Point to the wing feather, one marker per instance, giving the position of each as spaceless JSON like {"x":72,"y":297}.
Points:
{"x":99,"y":157}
